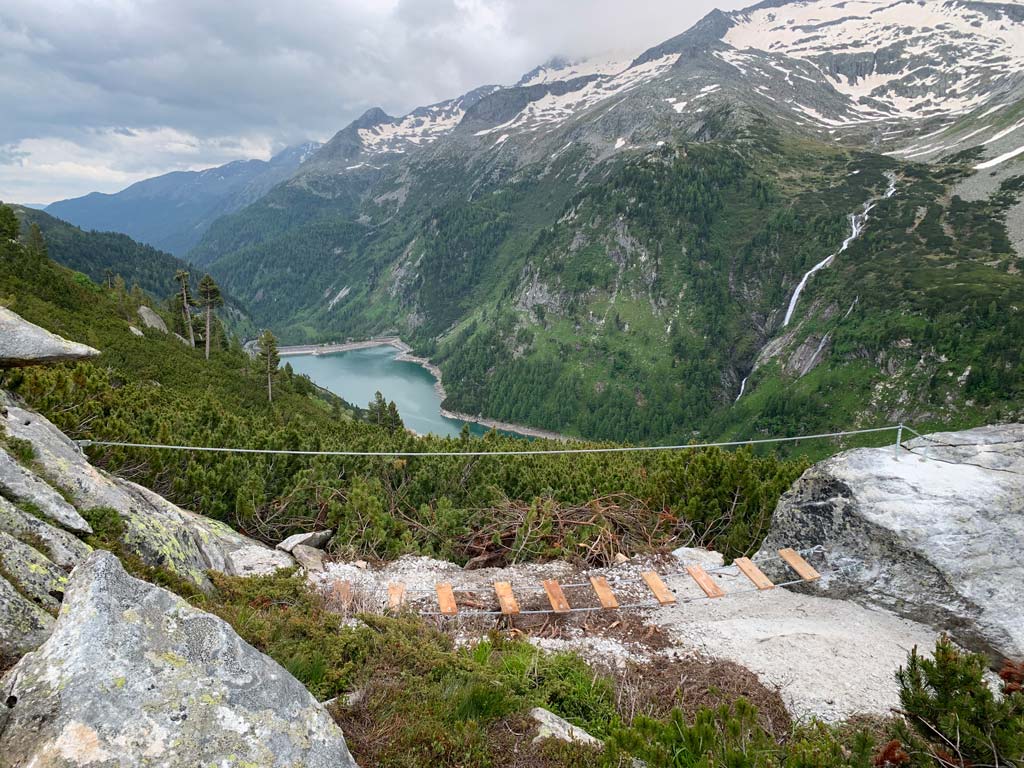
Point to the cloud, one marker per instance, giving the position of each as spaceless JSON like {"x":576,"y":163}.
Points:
{"x":77,"y":74}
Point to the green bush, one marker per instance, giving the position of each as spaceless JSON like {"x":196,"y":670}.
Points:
{"x":959,"y":720}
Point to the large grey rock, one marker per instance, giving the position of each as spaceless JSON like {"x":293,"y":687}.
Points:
{"x":151,"y":319}
{"x":58,"y":545}
{"x":310,"y":558}
{"x":316,"y":539}
{"x":934,"y":534}
{"x":159,"y":532}
{"x":551,"y":726}
{"x":31,"y":573}
{"x":257,"y":560}
{"x":24,"y":626}
{"x":23,"y":343}
{"x":134,"y":676}
{"x":20,"y":484}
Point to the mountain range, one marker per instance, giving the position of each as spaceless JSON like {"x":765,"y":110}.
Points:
{"x":798,"y":216}
{"x":171,"y":212}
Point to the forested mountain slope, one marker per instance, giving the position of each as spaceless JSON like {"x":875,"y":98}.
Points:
{"x":172,"y":211}
{"x":615,"y":253}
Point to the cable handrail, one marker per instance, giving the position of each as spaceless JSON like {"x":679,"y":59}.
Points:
{"x":544,"y":452}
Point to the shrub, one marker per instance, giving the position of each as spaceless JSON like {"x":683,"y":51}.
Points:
{"x":959,"y":719}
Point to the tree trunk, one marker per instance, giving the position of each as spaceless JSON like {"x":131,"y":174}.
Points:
{"x":209,"y":311}
{"x":270,"y":385}
{"x":187,"y":317}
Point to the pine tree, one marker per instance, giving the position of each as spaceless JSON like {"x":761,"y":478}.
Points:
{"x":8,"y":223}
{"x":394,"y":421}
{"x":269,"y":360}
{"x":209,"y":298}
{"x":36,"y":243}
{"x":182,"y":277}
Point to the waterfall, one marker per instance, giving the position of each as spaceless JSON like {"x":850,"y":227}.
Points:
{"x":857,"y":223}
{"x":743,"y":387}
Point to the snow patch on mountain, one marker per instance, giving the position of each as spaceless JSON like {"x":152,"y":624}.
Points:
{"x":559,"y":69}
{"x":902,"y":59}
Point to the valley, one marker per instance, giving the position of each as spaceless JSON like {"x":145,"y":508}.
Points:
{"x":662,"y":406}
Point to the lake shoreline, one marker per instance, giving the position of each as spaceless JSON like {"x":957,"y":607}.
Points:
{"x":405,"y":355}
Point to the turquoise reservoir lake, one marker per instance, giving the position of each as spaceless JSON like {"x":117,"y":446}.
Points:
{"x":358,"y":374}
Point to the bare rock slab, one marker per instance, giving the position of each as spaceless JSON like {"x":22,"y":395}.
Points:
{"x":257,"y":560}
{"x":58,"y":545}
{"x":24,"y":626}
{"x":933,"y":534}
{"x":151,"y":319}
{"x":310,"y":558}
{"x":24,"y":343}
{"x":133,"y":676}
{"x":551,"y":726}
{"x":22,"y":485}
{"x":317,"y":539}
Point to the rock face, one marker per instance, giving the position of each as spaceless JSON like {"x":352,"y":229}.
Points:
{"x":935,"y":535}
{"x":23,"y":625}
{"x":22,"y":343}
{"x":316,"y":539}
{"x":23,"y":485}
{"x":159,"y":532}
{"x":134,"y":676}
{"x":551,"y":726}
{"x":151,"y":319}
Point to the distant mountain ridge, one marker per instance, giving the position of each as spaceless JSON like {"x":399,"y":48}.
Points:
{"x":171,"y":212}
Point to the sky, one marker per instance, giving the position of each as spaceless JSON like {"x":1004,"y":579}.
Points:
{"x":98,"y":94}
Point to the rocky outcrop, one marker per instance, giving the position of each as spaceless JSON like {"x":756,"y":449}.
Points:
{"x":934,"y":533}
{"x":316,"y":539}
{"x":551,"y":726}
{"x":134,"y":676}
{"x":151,"y":319}
{"x":23,"y":625}
{"x":58,"y":545}
{"x":23,"y":343}
{"x":23,"y":485}
{"x":310,"y":558}
{"x":156,"y":530}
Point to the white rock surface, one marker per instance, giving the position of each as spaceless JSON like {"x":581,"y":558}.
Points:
{"x":24,"y":343}
{"x":551,"y":726}
{"x":705,"y":558}
{"x":151,"y":319}
{"x":257,"y":560}
{"x":318,"y":539}
{"x":935,"y":535}
{"x":135,"y":331}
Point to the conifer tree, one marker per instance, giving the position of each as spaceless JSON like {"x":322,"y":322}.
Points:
{"x":36,"y":243}
{"x":8,"y":223}
{"x":182,"y":277}
{"x":209,"y":298}
{"x":268,"y":359}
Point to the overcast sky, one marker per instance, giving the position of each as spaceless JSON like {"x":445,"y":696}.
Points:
{"x":97,"y":94}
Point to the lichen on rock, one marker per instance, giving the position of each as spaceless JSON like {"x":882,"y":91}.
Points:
{"x":175,"y":687}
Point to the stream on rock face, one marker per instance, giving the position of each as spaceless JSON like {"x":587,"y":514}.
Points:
{"x":857,"y":223}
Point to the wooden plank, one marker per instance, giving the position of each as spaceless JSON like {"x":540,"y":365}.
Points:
{"x":802,"y":567}
{"x":704,"y":581}
{"x":661,"y":592}
{"x":396,"y":596}
{"x":555,"y":596}
{"x":506,"y":599}
{"x":752,"y":572}
{"x":604,"y":592}
{"x":446,"y":600}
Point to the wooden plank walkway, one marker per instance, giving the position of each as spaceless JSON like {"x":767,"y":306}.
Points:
{"x":341,"y":591}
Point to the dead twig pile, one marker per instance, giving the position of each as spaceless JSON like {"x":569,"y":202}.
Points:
{"x":590,"y":534}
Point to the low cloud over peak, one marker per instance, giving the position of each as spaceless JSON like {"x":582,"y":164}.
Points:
{"x":101,"y":93}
